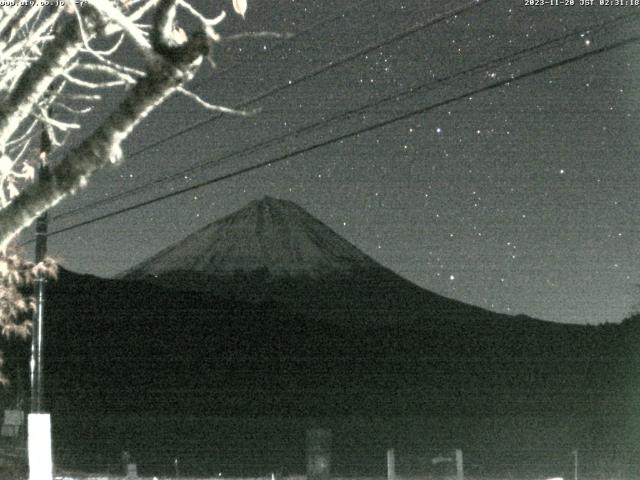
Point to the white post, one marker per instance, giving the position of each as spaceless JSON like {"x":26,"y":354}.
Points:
{"x":391,"y":464}
{"x":39,"y":444}
{"x":575,"y":464}
{"x":459,"y":465}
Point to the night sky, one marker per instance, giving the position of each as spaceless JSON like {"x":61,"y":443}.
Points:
{"x":519,"y":199}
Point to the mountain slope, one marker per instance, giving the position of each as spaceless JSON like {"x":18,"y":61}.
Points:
{"x":121,"y":347}
{"x":269,"y":234}
{"x":267,"y":312}
{"x":273,"y":250}
{"x":129,"y":363}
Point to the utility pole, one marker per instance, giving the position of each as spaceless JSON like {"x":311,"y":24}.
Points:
{"x":40,"y":282}
{"x":39,"y":423}
{"x":391,"y":464}
{"x":459,"y":465}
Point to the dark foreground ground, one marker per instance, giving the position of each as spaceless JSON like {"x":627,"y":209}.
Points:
{"x":214,"y":447}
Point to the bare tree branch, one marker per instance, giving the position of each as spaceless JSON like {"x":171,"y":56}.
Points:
{"x":34,"y":82}
{"x":104,"y":145}
{"x":214,"y":108}
{"x":111,"y":12}
{"x":54,"y":59}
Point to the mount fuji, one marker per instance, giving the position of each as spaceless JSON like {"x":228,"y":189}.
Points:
{"x":272,"y":292}
{"x":274,"y":250}
{"x":269,"y":313}
{"x":269,"y":234}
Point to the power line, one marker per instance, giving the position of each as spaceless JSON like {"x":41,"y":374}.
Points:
{"x":550,"y":43}
{"x":332,"y":64}
{"x":405,"y":116}
{"x":289,"y":39}
{"x":306,"y":76}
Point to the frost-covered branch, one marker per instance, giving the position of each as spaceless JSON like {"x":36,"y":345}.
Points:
{"x":206,"y":23}
{"x":14,"y":23}
{"x":36,"y":36}
{"x":35,"y":81}
{"x":138,"y":14}
{"x":128,"y":26}
{"x":178,"y":65}
{"x":245,"y":35}
{"x":214,"y":108}
{"x":54,"y":65}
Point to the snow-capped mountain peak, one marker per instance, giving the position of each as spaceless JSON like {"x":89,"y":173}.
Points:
{"x":268,"y":234}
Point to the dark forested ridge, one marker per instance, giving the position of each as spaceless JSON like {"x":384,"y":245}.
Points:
{"x":118,"y":347}
{"x":269,"y":314}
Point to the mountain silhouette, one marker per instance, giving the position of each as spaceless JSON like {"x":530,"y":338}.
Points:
{"x":268,"y":234}
{"x":330,"y":298}
{"x":268,"y":313}
{"x":273,"y":250}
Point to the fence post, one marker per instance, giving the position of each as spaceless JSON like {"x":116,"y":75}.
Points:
{"x":318,"y":454}
{"x":459,"y":465}
{"x":391,"y":464}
